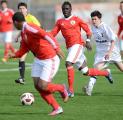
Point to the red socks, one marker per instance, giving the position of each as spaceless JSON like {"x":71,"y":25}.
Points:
{"x":49,"y":98}
{"x":96,"y":72}
{"x":54,"y":87}
{"x":70,"y":72}
{"x":11,"y":48}
{"x":6,"y":50}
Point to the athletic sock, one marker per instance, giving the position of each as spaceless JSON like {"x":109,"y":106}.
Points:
{"x":55,"y":87}
{"x":49,"y":98}
{"x":91,"y":83}
{"x":22,"y":69}
{"x":70,"y":72}
{"x":6,"y":50}
{"x":96,"y":72}
{"x":11,"y":48}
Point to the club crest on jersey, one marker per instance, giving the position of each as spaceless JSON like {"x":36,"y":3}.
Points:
{"x":72,"y":22}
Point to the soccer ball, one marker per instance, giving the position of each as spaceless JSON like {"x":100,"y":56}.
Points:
{"x":27,"y":99}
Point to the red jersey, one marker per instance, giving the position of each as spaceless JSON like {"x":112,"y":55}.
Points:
{"x":36,"y":40}
{"x":120,"y":22}
{"x":6,"y":23}
{"x":71,"y":30}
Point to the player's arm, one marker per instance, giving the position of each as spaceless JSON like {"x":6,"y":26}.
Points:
{"x":55,"y":44}
{"x":19,"y":53}
{"x":108,"y":54}
{"x":43,"y":34}
{"x":88,"y":32}
{"x":119,"y":29}
{"x":56,"y":29}
{"x":11,"y":13}
{"x":112,"y":38}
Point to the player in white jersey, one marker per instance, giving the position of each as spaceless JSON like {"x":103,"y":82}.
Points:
{"x":107,"y":50}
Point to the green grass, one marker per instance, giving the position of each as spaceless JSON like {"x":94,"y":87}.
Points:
{"x":106,"y":103}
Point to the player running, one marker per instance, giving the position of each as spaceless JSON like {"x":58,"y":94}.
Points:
{"x":46,"y":51}
{"x":6,"y":28}
{"x":107,"y":50}
{"x":70,"y":27}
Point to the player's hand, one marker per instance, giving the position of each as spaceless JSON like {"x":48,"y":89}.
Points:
{"x":107,"y":56}
{"x":11,"y":55}
{"x":60,"y":54}
{"x":88,"y":45}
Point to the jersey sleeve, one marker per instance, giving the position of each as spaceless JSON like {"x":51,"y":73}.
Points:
{"x":119,"y":29}
{"x":110,"y":34}
{"x":84,"y":26}
{"x":56,"y":29}
{"x":23,"y":49}
{"x":40,"y":33}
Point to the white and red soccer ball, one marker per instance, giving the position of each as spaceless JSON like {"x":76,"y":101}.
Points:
{"x":27,"y":99}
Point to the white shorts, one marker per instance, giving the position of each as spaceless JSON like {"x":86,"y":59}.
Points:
{"x":100,"y":57}
{"x":6,"y":36}
{"x":76,"y":55}
{"x":45,"y":69}
{"x":121,"y":45}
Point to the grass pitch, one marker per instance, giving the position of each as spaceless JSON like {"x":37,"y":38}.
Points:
{"x":106,"y":102}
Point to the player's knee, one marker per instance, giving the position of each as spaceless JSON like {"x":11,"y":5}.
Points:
{"x":84,"y":70}
{"x":68,"y":64}
{"x":42,"y":86}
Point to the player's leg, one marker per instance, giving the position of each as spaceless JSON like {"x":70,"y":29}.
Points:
{"x":46,"y":70}
{"x":82,"y":66}
{"x":48,"y":97}
{"x":74,"y":53}
{"x":119,"y":66}
{"x":89,"y":87}
{"x":7,"y":38}
{"x":21,"y":79}
{"x":50,"y":68}
{"x":121,"y":48}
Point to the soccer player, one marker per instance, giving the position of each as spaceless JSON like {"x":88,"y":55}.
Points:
{"x":120,"y":30}
{"x":6,"y":28}
{"x":46,"y":51}
{"x":71,"y":26}
{"x":22,"y":7}
{"x":107,"y":49}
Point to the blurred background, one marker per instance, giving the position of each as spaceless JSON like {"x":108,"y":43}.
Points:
{"x":47,"y":11}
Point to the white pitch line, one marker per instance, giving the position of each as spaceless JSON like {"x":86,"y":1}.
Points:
{"x":12,"y":69}
{"x":28,"y":66}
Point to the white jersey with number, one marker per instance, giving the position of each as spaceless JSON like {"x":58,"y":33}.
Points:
{"x":103,"y":36}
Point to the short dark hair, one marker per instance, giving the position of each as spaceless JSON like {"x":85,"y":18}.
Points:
{"x":3,"y":1}
{"x":96,"y":13}
{"x":67,"y":3}
{"x":19,"y":17}
{"x":121,"y":2}
{"x":22,"y":4}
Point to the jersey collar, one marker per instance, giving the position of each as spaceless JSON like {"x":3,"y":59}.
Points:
{"x":24,"y":25}
{"x":68,"y":17}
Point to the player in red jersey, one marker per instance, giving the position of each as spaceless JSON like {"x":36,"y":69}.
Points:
{"x":70,"y":27}
{"x":46,"y":51}
{"x":6,"y":27}
{"x":120,"y":30}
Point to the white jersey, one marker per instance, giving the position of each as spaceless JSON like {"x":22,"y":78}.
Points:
{"x":103,"y":36}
